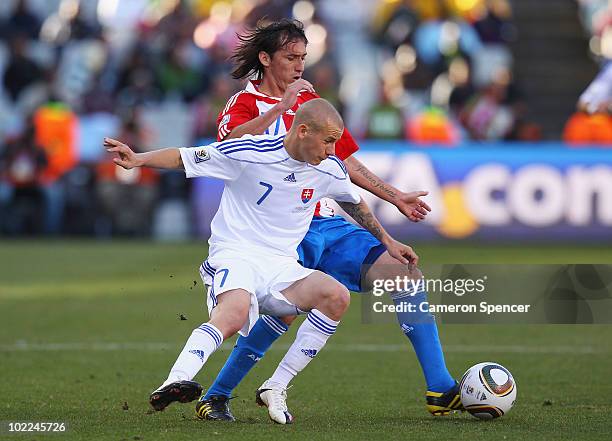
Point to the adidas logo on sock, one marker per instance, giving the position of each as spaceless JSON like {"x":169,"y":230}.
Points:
{"x":199,"y":354}
{"x":254,"y":357}
{"x":290,"y":178}
{"x":407,"y":329}
{"x":310,"y":352}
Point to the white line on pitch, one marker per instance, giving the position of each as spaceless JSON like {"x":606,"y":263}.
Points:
{"x":23,"y":346}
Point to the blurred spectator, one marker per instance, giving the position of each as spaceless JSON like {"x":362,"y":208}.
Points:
{"x":136,"y":80}
{"x":176,"y":76}
{"x":592,"y":124}
{"x":179,"y":24}
{"x":80,"y":207}
{"x":55,"y":128}
{"x":596,"y":17}
{"x":324,"y":77}
{"x":23,"y":22}
{"x":127,"y":198}
{"x":582,"y":128}
{"x":399,"y":27}
{"x":597,"y":98}
{"x":269,"y":10}
{"x":21,"y":167}
{"x":21,"y":71}
{"x":385,"y":120}
{"x":491,"y":114}
{"x":417,"y":78}
{"x":208,"y":107}
{"x":496,"y":26}
{"x":461,"y":86}
{"x":429,"y":9}
{"x":436,"y":40}
{"x":80,"y":27}
{"x":80,"y":63}
{"x":69,"y":24}
{"x":488,"y":116}
{"x":432,"y":126}
{"x":99,"y":97}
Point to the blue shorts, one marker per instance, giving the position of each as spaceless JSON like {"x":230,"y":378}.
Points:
{"x":338,"y":248}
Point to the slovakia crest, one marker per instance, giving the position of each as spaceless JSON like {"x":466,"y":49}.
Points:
{"x":307,"y":194}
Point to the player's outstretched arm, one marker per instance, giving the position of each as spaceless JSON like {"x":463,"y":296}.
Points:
{"x":169,"y":158}
{"x":409,"y":204}
{"x":362,"y":214}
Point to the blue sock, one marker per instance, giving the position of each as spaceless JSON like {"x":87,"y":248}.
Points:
{"x":420,"y":328}
{"x":246,"y":353}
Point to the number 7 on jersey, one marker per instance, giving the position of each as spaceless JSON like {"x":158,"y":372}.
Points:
{"x":265,"y":195}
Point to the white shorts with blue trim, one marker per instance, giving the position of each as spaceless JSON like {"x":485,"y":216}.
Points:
{"x":264,"y":277}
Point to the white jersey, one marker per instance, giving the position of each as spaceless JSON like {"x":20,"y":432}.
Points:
{"x":599,"y":91}
{"x":269,"y":198}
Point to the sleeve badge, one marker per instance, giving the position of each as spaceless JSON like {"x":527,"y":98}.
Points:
{"x":201,"y":155}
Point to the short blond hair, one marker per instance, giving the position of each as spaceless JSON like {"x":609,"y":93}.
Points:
{"x":317,"y":114}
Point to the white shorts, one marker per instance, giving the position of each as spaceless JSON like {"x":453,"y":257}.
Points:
{"x":264,"y":277}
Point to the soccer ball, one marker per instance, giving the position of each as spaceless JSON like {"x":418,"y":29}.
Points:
{"x":488,"y":390}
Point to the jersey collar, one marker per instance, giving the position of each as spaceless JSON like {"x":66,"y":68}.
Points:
{"x":253,"y":88}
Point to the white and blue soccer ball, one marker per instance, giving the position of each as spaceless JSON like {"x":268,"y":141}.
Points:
{"x":488,"y":390}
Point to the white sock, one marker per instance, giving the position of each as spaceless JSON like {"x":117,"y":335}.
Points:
{"x":310,"y":339}
{"x":203,"y":341}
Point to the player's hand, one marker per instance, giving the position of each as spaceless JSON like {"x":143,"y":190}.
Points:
{"x":290,"y":96}
{"x":400,"y":252}
{"x":411,"y":205}
{"x":126,"y":157}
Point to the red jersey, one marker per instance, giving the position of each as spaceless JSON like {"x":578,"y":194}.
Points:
{"x":250,"y":103}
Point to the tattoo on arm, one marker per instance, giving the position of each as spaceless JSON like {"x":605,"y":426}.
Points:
{"x":374,"y":181}
{"x":364,"y":217}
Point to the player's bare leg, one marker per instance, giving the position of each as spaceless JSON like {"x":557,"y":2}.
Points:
{"x":226,"y":319}
{"x":231,"y":312}
{"x":319,"y":291}
{"x":327,"y":300}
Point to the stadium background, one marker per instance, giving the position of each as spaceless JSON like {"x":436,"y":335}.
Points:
{"x":473,"y":100}
{"x":469,"y":99}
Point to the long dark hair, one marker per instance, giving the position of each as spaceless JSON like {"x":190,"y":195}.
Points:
{"x":265,"y":37}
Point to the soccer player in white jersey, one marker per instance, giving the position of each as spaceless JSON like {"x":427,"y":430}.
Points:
{"x":274,"y":53}
{"x":252,"y":265}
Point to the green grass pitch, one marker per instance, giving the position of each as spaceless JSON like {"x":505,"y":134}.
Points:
{"x":90,"y":328}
